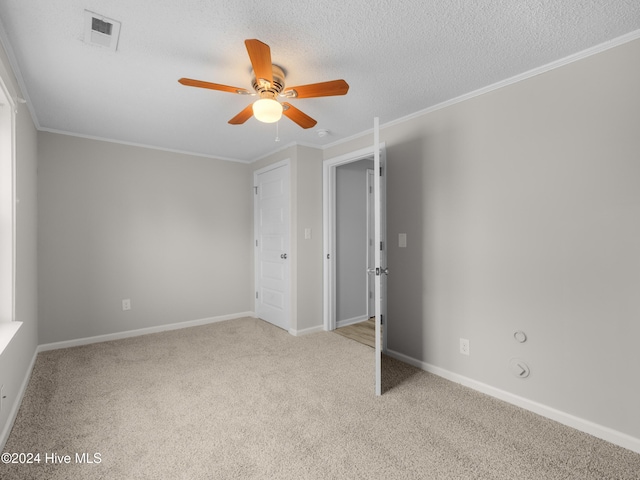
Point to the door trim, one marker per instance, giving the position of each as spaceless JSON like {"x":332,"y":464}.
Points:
{"x":328,"y":220}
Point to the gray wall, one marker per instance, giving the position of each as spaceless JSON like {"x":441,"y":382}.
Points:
{"x":15,"y":361}
{"x":309,"y":215}
{"x":351,"y":240}
{"x":171,"y":232}
{"x":521,"y":210}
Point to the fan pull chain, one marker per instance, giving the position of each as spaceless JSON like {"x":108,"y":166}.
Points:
{"x":277,"y":131}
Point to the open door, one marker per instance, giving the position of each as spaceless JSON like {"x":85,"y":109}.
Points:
{"x":380,"y":261}
{"x":378,"y":272}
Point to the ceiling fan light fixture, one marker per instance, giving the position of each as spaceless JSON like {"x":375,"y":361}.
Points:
{"x":267,"y":110}
{"x":269,"y":83}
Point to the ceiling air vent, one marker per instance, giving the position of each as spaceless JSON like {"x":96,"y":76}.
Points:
{"x":100,"y":30}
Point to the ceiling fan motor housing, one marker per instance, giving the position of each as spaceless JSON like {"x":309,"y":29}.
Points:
{"x":270,"y":90}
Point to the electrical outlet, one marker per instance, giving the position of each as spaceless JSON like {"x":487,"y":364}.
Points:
{"x":126,"y":304}
{"x":464,"y":346}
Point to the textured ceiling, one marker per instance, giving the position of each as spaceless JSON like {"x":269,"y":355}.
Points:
{"x":399,"y":57}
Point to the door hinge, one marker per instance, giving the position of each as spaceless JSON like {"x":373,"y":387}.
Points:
{"x":381,"y":319}
{"x":380,"y":171}
{"x":255,"y":189}
{"x":256,"y":295}
{"x":381,"y":245}
{"x":256,"y":242}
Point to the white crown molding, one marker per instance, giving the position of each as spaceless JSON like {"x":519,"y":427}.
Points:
{"x":629,"y":37}
{"x":142,"y":145}
{"x":273,"y":152}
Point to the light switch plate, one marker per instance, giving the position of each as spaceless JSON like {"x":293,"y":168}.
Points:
{"x":402,"y":240}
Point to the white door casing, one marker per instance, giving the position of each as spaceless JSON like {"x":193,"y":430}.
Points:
{"x":329,"y":229}
{"x":272,"y":244}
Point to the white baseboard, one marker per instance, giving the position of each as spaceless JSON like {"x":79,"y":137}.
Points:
{"x":306,"y":331}
{"x":142,"y":331}
{"x":351,"y":321}
{"x":600,"y":431}
{"x":4,"y":436}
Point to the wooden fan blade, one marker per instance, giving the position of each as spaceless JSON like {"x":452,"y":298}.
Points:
{"x":301,"y":118}
{"x":243,"y":116}
{"x":322,"y":89}
{"x":189,"y":82}
{"x":260,"y":56}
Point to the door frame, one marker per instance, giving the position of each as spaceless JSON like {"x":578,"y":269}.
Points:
{"x":289,"y":263}
{"x":329,"y":221}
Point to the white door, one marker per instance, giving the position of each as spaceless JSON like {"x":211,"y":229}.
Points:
{"x":380,"y":260}
{"x":271,"y":224}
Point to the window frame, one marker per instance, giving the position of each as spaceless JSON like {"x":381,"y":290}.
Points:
{"x":7,"y":204}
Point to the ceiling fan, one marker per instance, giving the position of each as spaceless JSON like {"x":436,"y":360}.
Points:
{"x":268,"y":83}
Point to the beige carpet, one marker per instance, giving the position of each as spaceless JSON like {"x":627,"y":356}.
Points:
{"x":245,"y":400}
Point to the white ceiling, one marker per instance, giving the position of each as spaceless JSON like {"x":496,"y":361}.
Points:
{"x":399,"y":57}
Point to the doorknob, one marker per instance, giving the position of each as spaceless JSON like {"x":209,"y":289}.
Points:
{"x":283,"y":256}
{"x":378,"y":271}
